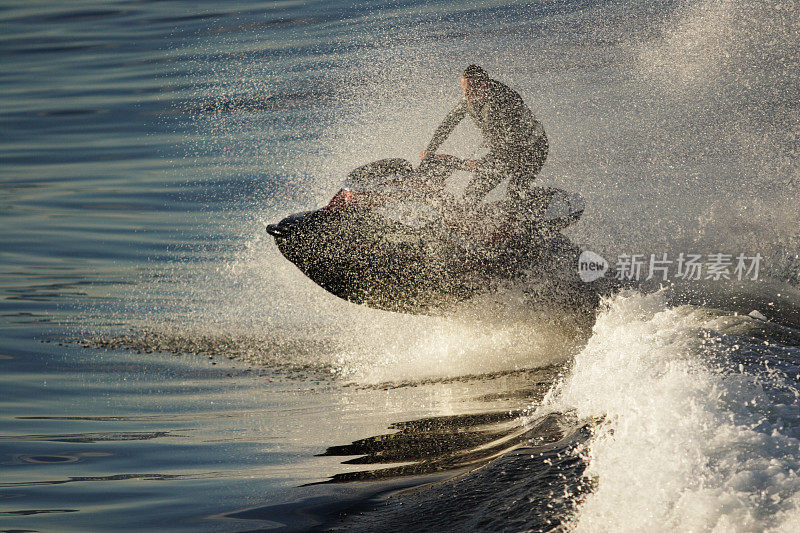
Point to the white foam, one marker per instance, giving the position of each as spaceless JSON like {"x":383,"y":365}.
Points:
{"x":683,"y":445}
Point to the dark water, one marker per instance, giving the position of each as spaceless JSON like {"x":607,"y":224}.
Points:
{"x":165,"y":368}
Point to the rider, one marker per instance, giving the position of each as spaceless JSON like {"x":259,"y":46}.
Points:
{"x":517,"y":142}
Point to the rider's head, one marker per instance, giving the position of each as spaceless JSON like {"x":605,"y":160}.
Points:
{"x":473,"y":82}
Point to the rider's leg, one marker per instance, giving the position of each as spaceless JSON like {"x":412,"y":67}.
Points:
{"x":491,"y":171}
{"x":526,"y":166}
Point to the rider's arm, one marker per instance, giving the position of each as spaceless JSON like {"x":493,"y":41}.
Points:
{"x":447,"y":126}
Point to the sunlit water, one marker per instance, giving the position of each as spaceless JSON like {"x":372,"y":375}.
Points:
{"x":165,"y":368}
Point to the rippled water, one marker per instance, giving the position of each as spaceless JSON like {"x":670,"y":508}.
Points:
{"x":164,"y":367}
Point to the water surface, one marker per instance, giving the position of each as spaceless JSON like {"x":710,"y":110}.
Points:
{"x":165,"y":368}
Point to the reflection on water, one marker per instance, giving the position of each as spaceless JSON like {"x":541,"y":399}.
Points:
{"x":120,"y":427}
{"x":532,"y":485}
{"x":452,"y":443}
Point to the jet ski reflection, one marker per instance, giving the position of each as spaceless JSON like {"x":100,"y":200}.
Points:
{"x":393,"y":238}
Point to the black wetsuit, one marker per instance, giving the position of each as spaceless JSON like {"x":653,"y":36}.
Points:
{"x":517,"y":142}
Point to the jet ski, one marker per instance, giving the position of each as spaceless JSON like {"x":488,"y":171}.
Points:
{"x":394,"y":238}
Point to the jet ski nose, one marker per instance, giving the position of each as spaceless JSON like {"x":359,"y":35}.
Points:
{"x":279,"y":230}
{"x":289,"y":225}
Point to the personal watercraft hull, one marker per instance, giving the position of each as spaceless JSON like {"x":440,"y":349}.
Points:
{"x":364,"y":259}
{"x":385,"y":242}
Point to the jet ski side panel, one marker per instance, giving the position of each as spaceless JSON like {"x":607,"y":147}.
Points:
{"x":368,"y":260}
